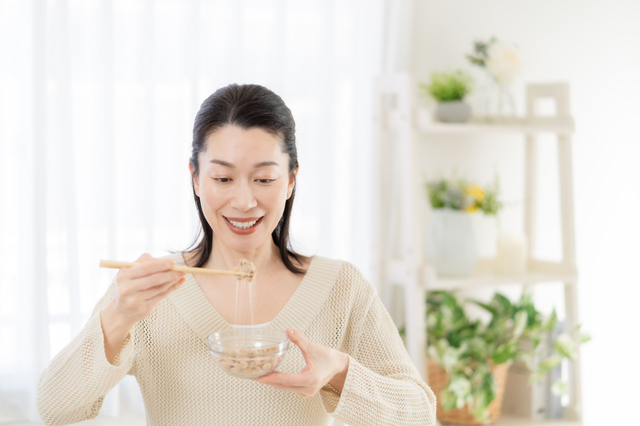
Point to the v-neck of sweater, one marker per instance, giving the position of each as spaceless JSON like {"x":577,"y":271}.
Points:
{"x":305,"y":304}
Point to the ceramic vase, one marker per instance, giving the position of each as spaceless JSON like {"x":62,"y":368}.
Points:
{"x":451,"y":243}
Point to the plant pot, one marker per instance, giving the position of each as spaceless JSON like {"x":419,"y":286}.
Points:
{"x":453,"y":112}
{"x":438,"y":379}
{"x":451,"y":243}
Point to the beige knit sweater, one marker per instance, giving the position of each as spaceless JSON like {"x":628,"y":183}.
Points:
{"x":182,"y":384}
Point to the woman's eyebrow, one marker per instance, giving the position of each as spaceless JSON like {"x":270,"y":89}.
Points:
{"x":222,"y":163}
{"x":262,"y":164}
{"x":266,"y":163}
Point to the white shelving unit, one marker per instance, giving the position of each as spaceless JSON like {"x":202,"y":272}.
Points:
{"x":398,"y":135}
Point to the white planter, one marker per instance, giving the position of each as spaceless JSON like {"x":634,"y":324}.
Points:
{"x":451,"y":243}
{"x":453,"y":112}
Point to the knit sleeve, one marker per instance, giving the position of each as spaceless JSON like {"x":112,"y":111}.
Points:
{"x":73,"y":386}
{"x":382,"y":386}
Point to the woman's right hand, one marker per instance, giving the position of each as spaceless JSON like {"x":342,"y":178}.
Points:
{"x":138,"y":290}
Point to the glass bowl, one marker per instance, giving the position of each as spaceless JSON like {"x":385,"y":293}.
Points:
{"x":248,"y":353}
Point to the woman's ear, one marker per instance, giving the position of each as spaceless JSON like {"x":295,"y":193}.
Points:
{"x":292,"y":182}
{"x":194,"y":180}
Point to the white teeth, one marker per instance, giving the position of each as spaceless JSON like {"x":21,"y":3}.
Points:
{"x":242,"y":225}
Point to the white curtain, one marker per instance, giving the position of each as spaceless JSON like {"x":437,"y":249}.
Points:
{"x":97,"y":100}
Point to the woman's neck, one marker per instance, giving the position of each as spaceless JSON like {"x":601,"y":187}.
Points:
{"x":264,"y":257}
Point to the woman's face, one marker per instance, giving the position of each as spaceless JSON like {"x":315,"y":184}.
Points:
{"x":243,"y":185}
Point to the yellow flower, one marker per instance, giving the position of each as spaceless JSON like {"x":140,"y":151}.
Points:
{"x":471,"y":208}
{"x":476,"y":192}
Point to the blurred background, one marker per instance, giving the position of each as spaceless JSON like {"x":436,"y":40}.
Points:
{"x":97,"y":101}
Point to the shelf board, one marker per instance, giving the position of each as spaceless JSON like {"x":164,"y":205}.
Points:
{"x":484,"y":275}
{"x":507,"y":420}
{"x":563,"y":125}
{"x":558,"y":125}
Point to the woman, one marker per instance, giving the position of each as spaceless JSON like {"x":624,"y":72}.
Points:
{"x":348,"y":361}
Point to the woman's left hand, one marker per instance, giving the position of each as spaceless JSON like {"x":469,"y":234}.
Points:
{"x":324,"y":365}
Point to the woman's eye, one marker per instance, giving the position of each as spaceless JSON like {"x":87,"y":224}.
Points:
{"x":222,"y":180}
{"x":265,"y":180}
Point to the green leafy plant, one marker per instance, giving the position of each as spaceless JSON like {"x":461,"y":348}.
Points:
{"x":460,"y":194}
{"x":468,"y":349}
{"x":446,"y":87}
{"x":500,"y":59}
{"x":480,"y":53}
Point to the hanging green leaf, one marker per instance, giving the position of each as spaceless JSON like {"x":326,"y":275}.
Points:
{"x":583,"y":338}
{"x":450,"y":357}
{"x":550,"y":322}
{"x":565,"y":346}
{"x":493,"y":311}
{"x":559,"y":388}
{"x":504,"y":353}
{"x":485,"y":395}
{"x":544,"y":367}
{"x":519,"y":323}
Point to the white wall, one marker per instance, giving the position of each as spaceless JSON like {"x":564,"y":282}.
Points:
{"x":595,"y":46}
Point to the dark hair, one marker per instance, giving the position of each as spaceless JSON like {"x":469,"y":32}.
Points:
{"x":246,"y":106}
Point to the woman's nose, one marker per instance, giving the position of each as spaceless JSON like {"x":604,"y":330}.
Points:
{"x":243,"y":198}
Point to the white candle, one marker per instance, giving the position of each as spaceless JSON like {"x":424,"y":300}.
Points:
{"x":511,"y":254}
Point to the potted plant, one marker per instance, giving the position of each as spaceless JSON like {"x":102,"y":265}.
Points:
{"x":469,"y":359}
{"x":450,"y":243}
{"x":449,"y":90}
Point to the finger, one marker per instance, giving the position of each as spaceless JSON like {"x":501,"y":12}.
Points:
{"x":298,"y":338}
{"x":125,"y":273}
{"x":282,"y":379}
{"x":154,"y":291}
{"x":159,"y":297}
{"x":155,"y":280}
{"x":147,"y":268}
{"x":144,"y":258}
{"x":303,"y":343}
{"x":295,"y":389}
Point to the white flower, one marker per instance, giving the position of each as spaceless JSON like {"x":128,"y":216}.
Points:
{"x":503,"y":61}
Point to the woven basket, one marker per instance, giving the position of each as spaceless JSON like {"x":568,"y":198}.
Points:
{"x":438,"y":380}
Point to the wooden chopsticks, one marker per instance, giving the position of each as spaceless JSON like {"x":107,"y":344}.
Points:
{"x":202,"y":271}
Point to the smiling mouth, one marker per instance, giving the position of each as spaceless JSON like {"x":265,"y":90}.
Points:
{"x":243,"y":225}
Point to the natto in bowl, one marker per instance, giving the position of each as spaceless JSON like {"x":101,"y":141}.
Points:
{"x":248,"y":353}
